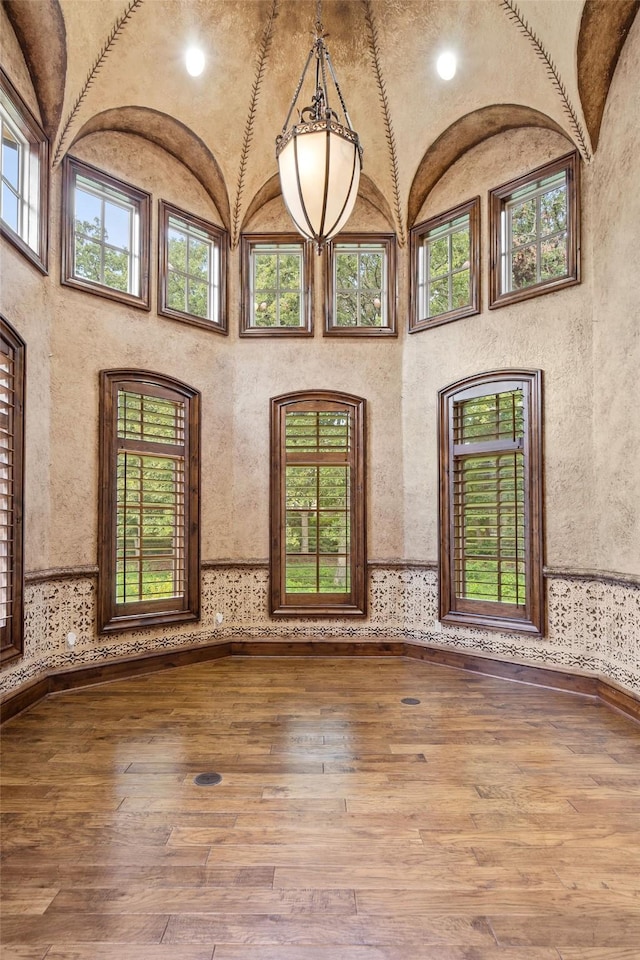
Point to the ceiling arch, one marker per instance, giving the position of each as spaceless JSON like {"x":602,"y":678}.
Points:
{"x":173,"y":136}
{"x":603,"y":31}
{"x":367,"y":190}
{"x":41,"y":33}
{"x":462,"y":136}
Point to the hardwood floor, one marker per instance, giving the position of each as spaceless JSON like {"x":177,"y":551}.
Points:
{"x":491,"y":821}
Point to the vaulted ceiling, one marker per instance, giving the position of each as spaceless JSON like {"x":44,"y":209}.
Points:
{"x":105,"y":65}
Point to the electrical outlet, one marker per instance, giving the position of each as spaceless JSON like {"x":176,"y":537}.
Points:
{"x":219,"y":617}
{"x":71,"y":640}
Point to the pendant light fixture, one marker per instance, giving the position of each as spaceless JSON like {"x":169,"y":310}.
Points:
{"x":319,"y":157}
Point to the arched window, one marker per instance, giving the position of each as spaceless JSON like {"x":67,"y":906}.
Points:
{"x":318,"y":504}
{"x":149,"y":500}
{"x":491,"y":501}
{"x":12,"y":357}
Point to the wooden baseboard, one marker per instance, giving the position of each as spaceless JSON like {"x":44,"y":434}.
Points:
{"x":523,"y":673}
{"x":317,"y":648}
{"x":87,"y":676}
{"x":584,"y":685}
{"x":26,"y":697}
{"x":619,"y":699}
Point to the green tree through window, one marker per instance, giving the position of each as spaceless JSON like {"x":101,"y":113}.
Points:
{"x":318,"y":504}
{"x":149,"y":556}
{"x":490,"y":501}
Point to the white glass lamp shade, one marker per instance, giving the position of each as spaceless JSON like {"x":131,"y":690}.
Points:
{"x":319,"y":176}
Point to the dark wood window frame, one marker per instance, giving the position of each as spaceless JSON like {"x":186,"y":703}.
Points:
{"x":249,"y":242}
{"x":113,"y":616}
{"x":34,"y":135}
{"x":219,"y":238}
{"x":72,"y":168}
{"x":388,"y":242}
{"x":12,"y":631}
{"x":498,"y":200}
{"x":314,"y":604}
{"x":419,"y":234}
{"x":482,"y":613}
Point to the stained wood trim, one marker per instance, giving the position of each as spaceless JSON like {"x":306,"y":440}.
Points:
{"x":585,"y":684}
{"x":39,"y":147}
{"x":499,"y":197}
{"x":317,"y":648}
{"x":219,"y":238}
{"x":493,"y":615}
{"x":582,"y":684}
{"x":113,"y":616}
{"x":60,"y":573}
{"x":280,"y":602}
{"x":24,"y":698}
{"x":72,"y":168}
{"x":388,"y":242}
{"x":12,"y":632}
{"x":418,"y":233}
{"x":248,"y":243}
{"x":87,"y":676}
{"x":604,"y":576}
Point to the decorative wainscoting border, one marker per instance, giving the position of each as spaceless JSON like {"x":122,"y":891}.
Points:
{"x":593,"y":626}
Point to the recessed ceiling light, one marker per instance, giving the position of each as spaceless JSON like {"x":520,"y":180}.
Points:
{"x":194,"y":60}
{"x":446,"y":65}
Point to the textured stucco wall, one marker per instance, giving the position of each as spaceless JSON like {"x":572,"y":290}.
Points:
{"x":236,"y":377}
{"x":550,"y":332}
{"x":616,"y":315}
{"x":585,"y":339}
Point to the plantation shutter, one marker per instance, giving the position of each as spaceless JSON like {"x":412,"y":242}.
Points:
{"x":489,"y":498}
{"x":148,"y":547}
{"x":318,"y":504}
{"x":11,"y":420}
{"x":491,"y":501}
{"x":150,"y":504}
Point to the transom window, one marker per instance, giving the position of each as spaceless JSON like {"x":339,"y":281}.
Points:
{"x":192,"y":269}
{"x":106,"y":246}
{"x":318,"y":504}
{"x":445,"y":258}
{"x":276,"y":285}
{"x":535,"y":232}
{"x":23,"y":176}
{"x":149,"y":554}
{"x":360,"y":287}
{"x":12,"y":372}
{"x":490,"y":499}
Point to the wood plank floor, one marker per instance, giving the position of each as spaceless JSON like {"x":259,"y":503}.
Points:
{"x":490,"y":821}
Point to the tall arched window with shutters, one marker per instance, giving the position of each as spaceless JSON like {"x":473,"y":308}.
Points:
{"x":149,"y":554}
{"x":12,"y":381}
{"x":318,"y":539}
{"x":491,"y":501}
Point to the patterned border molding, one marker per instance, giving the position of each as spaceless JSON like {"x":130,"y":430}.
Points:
{"x":95,"y":69}
{"x":604,"y":576}
{"x":550,"y":573}
{"x":513,"y":13}
{"x":60,"y":573}
{"x":592,"y":624}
